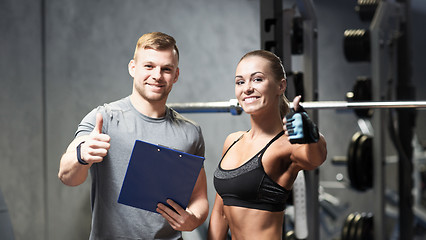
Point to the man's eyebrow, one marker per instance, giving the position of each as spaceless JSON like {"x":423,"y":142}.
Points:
{"x":170,"y":65}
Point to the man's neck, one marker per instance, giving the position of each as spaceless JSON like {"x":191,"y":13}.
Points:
{"x":150,"y":109}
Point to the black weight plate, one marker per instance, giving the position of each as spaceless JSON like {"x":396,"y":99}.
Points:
{"x":362,"y":92}
{"x":351,"y":165}
{"x":364,"y":163}
{"x":354,"y":226}
{"x":368,"y":160}
{"x":347,"y":226}
{"x":368,"y":229}
{"x":360,"y":227}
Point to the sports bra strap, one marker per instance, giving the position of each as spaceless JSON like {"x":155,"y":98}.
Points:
{"x":261,"y":151}
{"x":233,"y":144}
{"x":274,"y":139}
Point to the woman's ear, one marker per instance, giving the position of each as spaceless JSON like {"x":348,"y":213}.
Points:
{"x":283,"y":85}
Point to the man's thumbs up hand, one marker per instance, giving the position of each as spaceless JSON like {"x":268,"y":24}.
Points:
{"x":96,"y":147}
{"x":99,"y":123}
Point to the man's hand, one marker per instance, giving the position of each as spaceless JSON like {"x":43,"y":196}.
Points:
{"x":96,"y":146}
{"x":179,"y":218}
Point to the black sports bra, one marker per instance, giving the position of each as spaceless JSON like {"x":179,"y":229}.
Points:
{"x":249,"y":186}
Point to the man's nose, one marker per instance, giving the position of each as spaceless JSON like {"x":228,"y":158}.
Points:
{"x":156,"y":73}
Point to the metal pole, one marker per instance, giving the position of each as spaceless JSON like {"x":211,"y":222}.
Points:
{"x":310,"y":82}
{"x":353,"y":105}
{"x":383,"y":29}
{"x":233,"y":107}
{"x":406,"y":123}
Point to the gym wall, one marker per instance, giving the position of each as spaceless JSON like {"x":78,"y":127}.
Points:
{"x":59,"y":59}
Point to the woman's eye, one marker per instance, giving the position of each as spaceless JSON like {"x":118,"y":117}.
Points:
{"x":257,"y":79}
{"x":239,"y":82}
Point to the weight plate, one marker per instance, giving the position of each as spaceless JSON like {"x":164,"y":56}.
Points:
{"x":364,"y":163}
{"x":368,"y":229}
{"x":360,"y":227}
{"x":351,"y":165}
{"x":347,"y":226}
{"x":354,"y":225}
{"x":368,"y":160}
{"x":362,"y":93}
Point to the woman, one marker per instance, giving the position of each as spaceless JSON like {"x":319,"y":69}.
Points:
{"x":258,"y":167}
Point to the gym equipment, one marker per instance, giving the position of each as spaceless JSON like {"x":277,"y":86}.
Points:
{"x":360,"y":162}
{"x":361,"y":92}
{"x":356,"y":45}
{"x":234,"y":108}
{"x":366,"y":9}
{"x":358,"y":226}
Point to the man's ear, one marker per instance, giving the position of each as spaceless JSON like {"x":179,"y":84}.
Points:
{"x":176,"y":75}
{"x":131,"y":67}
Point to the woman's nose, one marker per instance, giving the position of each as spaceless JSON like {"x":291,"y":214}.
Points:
{"x":248,"y":88}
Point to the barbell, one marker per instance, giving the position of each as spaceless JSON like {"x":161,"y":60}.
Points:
{"x":234,"y":108}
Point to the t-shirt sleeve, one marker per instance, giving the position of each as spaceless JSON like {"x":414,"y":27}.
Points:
{"x":200,"y":151}
{"x":87,"y":125}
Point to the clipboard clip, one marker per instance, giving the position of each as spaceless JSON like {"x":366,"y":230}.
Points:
{"x":160,"y":145}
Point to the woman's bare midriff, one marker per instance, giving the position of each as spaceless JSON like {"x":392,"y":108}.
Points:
{"x":246,"y":223}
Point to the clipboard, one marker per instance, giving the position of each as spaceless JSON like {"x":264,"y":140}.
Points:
{"x":156,"y":173}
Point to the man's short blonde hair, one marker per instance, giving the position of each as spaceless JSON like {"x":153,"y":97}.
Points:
{"x":157,"y":41}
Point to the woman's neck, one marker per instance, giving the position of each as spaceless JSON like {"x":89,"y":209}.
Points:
{"x":265,"y":125}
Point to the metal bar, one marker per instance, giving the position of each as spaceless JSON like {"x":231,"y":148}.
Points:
{"x":405,"y":90}
{"x":345,"y":105}
{"x":382,"y":32}
{"x":310,"y":82}
{"x":233,"y":106}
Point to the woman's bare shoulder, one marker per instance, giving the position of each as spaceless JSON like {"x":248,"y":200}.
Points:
{"x":232,"y":138}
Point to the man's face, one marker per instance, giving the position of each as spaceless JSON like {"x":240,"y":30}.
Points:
{"x":154,"y":73}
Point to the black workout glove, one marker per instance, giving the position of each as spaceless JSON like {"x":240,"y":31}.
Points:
{"x":300,"y":127}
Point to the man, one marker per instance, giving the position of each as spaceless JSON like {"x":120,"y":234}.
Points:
{"x":104,"y":142}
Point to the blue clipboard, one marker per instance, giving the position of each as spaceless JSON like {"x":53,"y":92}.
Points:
{"x":156,"y":173}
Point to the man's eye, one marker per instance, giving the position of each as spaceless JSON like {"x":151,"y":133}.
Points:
{"x":148,"y":66}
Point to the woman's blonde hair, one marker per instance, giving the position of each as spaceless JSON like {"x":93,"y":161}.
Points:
{"x":278,"y":72}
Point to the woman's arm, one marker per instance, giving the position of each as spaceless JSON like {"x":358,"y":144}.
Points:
{"x":310,"y":156}
{"x":218,"y":225}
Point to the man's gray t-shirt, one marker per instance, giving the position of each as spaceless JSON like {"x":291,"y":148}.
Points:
{"x":124,"y":124}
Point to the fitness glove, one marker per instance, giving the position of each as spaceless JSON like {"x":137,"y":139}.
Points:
{"x":300,"y":127}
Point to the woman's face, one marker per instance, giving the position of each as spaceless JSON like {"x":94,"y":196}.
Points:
{"x":255,"y":87}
